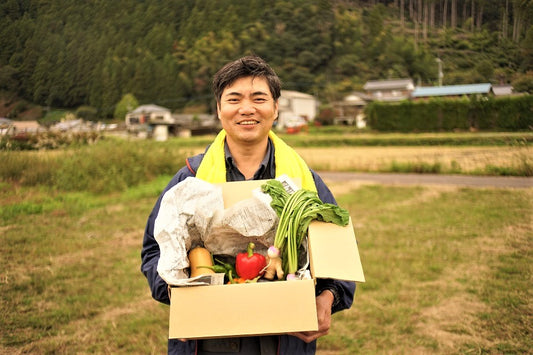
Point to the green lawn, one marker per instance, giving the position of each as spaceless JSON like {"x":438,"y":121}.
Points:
{"x":448,"y":271}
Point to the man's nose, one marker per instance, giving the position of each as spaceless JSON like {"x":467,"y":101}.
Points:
{"x":247,"y":107}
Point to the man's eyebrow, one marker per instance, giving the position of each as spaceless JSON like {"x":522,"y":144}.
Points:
{"x":258,"y":93}
{"x":233,"y":93}
{"x":255,"y":93}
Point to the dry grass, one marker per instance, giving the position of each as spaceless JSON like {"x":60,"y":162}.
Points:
{"x":448,"y":269}
{"x":375,"y":159}
{"x":438,"y":272}
{"x":444,"y":268}
{"x":464,"y":160}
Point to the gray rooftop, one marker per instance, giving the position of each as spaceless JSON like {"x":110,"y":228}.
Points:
{"x":389,"y":84}
{"x":452,"y":90}
{"x":149,"y":109}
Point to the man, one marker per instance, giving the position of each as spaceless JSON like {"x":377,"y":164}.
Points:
{"x":247,"y":92}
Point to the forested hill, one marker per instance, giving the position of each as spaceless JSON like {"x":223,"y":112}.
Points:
{"x":67,"y":53}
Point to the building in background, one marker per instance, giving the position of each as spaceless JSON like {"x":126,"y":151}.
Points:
{"x":145,"y":113}
{"x":19,"y":128}
{"x":160,"y":123}
{"x":296,"y":109}
{"x":351,"y":110}
{"x":389,"y":90}
{"x":503,"y":90}
{"x":452,"y":91}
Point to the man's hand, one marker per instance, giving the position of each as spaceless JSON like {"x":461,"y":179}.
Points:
{"x":324,"y":301}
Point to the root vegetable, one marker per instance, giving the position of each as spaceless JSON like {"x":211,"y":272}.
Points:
{"x":274,"y":268}
{"x":200,"y":261}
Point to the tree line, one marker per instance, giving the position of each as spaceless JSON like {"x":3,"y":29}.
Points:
{"x":472,"y":14}
{"x":67,"y":53}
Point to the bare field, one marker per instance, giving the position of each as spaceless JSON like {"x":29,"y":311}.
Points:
{"x":464,"y":160}
{"x":448,"y":271}
{"x":450,"y":159}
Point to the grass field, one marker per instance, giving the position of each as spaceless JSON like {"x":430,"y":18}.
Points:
{"x":448,"y":272}
{"x":448,"y":269}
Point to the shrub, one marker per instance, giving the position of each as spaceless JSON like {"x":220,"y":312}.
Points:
{"x":434,"y":115}
{"x":110,"y":165}
{"x":48,"y":140}
{"x":326,"y":115}
{"x":524,"y":83}
{"x":88,"y":113}
{"x":125,"y":105}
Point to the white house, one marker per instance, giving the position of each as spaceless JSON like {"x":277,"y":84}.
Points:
{"x":502,"y":90}
{"x":145,"y":113}
{"x":389,"y":90}
{"x":296,"y":108}
{"x":9,"y":127}
{"x":350,"y":111}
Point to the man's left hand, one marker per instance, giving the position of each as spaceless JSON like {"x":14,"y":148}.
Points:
{"x":324,"y":301}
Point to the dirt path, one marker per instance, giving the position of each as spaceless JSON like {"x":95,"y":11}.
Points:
{"x":429,"y":179}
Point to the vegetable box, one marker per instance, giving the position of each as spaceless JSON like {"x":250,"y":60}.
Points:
{"x":282,"y":306}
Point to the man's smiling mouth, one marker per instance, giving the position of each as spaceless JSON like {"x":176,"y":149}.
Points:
{"x":248,"y":122}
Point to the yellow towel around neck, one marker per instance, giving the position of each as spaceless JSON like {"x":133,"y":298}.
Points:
{"x":213,"y":166}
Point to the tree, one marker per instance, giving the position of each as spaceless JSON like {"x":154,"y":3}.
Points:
{"x":445,"y":14}
{"x":453,"y":14}
{"x":522,"y":13}
{"x":527,"y":51}
{"x":485,"y":69}
{"x":523,"y":83}
{"x":127,"y":104}
{"x":70,"y":53}
{"x":9,"y":78}
{"x":505,"y":19}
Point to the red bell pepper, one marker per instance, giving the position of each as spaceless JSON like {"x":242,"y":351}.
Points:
{"x":250,"y":265}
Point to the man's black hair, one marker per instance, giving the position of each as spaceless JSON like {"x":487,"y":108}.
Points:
{"x":251,"y":65}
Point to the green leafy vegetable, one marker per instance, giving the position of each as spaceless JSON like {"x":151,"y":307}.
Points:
{"x":295,"y":212}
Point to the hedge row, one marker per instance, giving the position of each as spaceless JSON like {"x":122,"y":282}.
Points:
{"x":437,"y":115}
{"x":417,"y":140}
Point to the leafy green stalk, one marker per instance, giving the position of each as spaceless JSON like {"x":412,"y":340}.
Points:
{"x":296,"y":211}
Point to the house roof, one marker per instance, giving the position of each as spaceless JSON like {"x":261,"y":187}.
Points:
{"x":149,"y":109}
{"x":389,"y":84}
{"x":452,"y":90}
{"x":353,"y":99}
{"x":26,"y":125}
{"x":357,"y":96}
{"x":502,"y":90}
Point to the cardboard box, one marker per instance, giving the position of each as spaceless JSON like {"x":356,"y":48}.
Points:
{"x":266,"y":307}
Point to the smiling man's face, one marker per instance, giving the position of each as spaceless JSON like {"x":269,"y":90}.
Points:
{"x":247,"y":111}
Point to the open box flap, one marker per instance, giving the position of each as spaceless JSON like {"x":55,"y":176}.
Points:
{"x":333,"y":252}
{"x":236,"y":191}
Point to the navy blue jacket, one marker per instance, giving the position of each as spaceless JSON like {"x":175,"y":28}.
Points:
{"x":343,"y":291}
